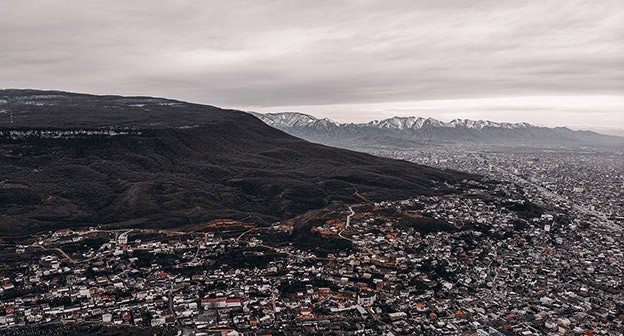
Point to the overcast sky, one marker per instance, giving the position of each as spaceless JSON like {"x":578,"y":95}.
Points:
{"x":545,"y":62}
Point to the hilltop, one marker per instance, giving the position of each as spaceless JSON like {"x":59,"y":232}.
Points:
{"x":70,"y":160}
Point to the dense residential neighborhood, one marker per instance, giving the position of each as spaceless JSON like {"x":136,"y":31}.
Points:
{"x":463,"y":263}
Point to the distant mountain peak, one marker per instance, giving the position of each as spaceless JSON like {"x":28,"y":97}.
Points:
{"x":400,"y":123}
{"x":295,"y":119}
{"x":410,"y":130}
{"x":479,"y":124}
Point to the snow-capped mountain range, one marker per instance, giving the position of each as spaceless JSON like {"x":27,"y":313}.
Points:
{"x":294,"y":119}
{"x":403,"y":123}
{"x":407,"y":130}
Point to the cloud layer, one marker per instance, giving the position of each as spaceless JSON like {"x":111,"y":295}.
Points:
{"x":276,"y":55}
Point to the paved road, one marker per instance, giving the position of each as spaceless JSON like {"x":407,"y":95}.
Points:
{"x":347,"y":224}
{"x":65,"y":255}
{"x":349,"y":216}
{"x":343,"y":237}
{"x":584,"y":210}
{"x":172,"y":311}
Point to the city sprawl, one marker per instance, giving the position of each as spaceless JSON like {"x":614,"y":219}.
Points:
{"x":540,"y":253}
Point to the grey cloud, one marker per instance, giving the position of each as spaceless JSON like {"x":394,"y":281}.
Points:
{"x":284,"y":53}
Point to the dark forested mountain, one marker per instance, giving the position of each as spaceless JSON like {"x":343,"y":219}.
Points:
{"x":81,"y":160}
{"x":411,"y":131}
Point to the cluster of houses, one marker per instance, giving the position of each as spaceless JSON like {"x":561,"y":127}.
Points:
{"x":15,"y":134}
{"x":482,"y":274}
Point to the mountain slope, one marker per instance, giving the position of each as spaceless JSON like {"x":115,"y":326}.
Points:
{"x":80,"y":160}
{"x":409,"y":131}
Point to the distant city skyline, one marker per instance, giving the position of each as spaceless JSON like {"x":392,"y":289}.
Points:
{"x":549,"y":63}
